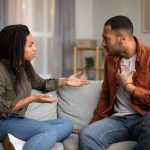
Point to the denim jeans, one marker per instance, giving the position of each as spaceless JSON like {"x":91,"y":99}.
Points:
{"x":39,"y":135}
{"x":101,"y":134}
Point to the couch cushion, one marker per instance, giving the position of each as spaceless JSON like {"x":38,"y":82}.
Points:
{"x":71,"y":143}
{"x":1,"y":147}
{"x":42,"y":111}
{"x":78,"y":103}
{"x":125,"y":145}
{"x":57,"y":146}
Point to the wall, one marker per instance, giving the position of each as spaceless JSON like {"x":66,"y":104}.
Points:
{"x":84,"y":18}
{"x":91,"y":15}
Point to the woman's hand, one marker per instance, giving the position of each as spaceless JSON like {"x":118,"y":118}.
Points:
{"x":44,"y":98}
{"x":73,"y":80}
{"x":40,"y":98}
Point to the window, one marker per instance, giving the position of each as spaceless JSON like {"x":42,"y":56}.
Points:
{"x":39,"y":17}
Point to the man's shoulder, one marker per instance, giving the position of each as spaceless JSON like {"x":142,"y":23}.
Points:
{"x":146,"y":50}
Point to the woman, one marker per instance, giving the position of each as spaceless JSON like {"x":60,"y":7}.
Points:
{"x":17,"y":78}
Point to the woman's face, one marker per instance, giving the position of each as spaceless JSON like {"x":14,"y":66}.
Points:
{"x":29,"y":49}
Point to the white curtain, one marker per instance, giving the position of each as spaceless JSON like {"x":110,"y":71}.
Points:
{"x":3,"y":13}
{"x":65,"y":23}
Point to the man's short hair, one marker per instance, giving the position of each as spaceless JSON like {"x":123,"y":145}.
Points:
{"x":120,"y":23}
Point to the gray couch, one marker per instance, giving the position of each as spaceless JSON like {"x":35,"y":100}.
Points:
{"x":77,"y":104}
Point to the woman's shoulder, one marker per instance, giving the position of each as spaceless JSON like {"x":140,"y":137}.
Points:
{"x":2,"y":64}
{"x":3,"y":68}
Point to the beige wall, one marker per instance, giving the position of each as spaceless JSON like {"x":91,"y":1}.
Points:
{"x":91,"y":15}
{"x":84,"y":18}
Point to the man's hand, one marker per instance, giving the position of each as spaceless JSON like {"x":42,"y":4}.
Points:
{"x":126,"y":82}
{"x":122,"y":79}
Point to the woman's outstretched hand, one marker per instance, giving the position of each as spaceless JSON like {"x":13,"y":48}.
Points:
{"x":44,"y":98}
{"x":73,"y":80}
{"x":39,"y":98}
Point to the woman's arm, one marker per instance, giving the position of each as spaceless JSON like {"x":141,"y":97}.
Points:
{"x":22,"y":103}
{"x":72,"y":80}
{"x":40,"y":98}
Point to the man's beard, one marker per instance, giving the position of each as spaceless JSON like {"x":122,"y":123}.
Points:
{"x":113,"y":53}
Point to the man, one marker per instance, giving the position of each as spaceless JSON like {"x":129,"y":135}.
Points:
{"x":122,"y":112}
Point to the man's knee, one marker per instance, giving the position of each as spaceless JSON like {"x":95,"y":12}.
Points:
{"x":84,"y":138}
{"x":85,"y":133}
{"x":82,"y":135}
{"x":95,"y":138}
{"x":90,"y":140}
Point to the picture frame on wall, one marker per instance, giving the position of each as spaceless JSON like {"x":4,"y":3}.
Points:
{"x":145,"y":17}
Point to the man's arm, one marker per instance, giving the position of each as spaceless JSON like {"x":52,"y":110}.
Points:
{"x":104,"y":97}
{"x":141,"y":95}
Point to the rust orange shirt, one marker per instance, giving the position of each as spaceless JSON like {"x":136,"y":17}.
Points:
{"x":140,"y":98}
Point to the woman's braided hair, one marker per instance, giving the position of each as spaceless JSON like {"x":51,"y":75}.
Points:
{"x":12,"y":43}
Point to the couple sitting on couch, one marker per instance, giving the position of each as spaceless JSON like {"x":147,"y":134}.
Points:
{"x":123,"y":105}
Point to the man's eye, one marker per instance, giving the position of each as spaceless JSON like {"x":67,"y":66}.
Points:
{"x":107,"y":39}
{"x":30,"y":45}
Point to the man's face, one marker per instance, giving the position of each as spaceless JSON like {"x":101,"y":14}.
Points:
{"x":111,"y":41}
